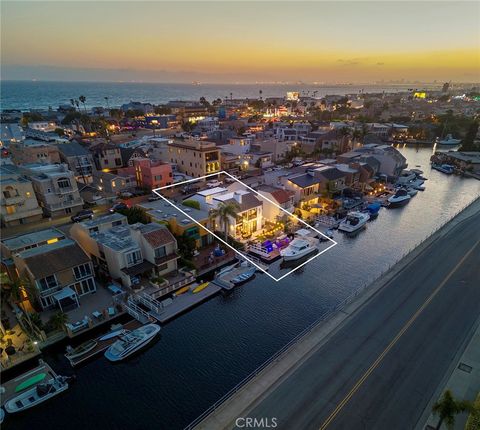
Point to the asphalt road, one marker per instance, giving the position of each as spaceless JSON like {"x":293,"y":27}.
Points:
{"x":380,"y":369}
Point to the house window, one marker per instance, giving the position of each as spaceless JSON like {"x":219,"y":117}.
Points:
{"x":162,"y":267}
{"x":10,"y":209}
{"x":134,"y":258}
{"x":63,"y":183}
{"x":93,"y":229}
{"x":10,"y":192}
{"x":160,"y":252}
{"x":114,"y":223}
{"x":158,"y":177}
{"x":48,"y":282}
{"x":82,"y":271}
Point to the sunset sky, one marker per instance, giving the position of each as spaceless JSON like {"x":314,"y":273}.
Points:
{"x":241,"y":42}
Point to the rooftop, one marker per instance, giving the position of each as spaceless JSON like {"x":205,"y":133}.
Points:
{"x":161,"y":210}
{"x":72,"y":149}
{"x":29,"y":239}
{"x":304,"y":180}
{"x":104,"y":219}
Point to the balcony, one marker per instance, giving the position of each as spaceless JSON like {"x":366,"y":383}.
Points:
{"x":166,"y":258}
{"x":65,"y":204}
{"x":15,"y":200}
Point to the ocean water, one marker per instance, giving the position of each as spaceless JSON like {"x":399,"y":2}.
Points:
{"x":25,"y":95}
{"x":204,"y":353}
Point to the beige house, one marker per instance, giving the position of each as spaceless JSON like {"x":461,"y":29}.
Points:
{"x":56,"y":189}
{"x":18,"y":201}
{"x":60,"y":272}
{"x":127,"y":253}
{"x":107,"y":156}
{"x":41,"y":152}
{"x":195,"y":158}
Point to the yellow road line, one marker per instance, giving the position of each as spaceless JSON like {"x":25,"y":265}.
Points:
{"x":379,"y":359}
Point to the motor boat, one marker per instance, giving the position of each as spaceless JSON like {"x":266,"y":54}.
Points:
{"x":80,"y":350}
{"x":354,"y":221}
{"x":401,"y":198}
{"x":449,"y":140}
{"x":444,"y":168}
{"x":37,"y":394}
{"x":303,"y":244}
{"x":245,"y":276}
{"x":412,"y":192}
{"x":132,"y":342}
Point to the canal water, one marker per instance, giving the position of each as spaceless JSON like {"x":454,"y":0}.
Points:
{"x":204,"y":353}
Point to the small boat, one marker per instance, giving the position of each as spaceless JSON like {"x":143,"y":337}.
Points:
{"x":412,"y":191}
{"x":36,"y":395}
{"x":444,"y":168}
{"x":299,"y":247}
{"x":113,"y":333}
{"x":80,"y":350}
{"x":327,"y":234}
{"x":182,"y":290}
{"x":401,"y":198}
{"x":354,"y":221}
{"x":449,"y":140}
{"x":30,"y":381}
{"x":244,"y":277}
{"x":419,"y":187}
{"x":374,"y":209}
{"x":200,"y":287}
{"x":132,"y":342}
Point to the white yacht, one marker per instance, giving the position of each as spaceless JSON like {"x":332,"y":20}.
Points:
{"x":303,"y":244}
{"x":131,"y":342}
{"x":401,"y":198}
{"x":354,"y":221}
{"x":449,"y":140}
{"x":36,"y":395}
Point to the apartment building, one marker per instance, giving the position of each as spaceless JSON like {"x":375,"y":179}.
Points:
{"x":107,"y":156}
{"x":129,"y":254}
{"x":33,"y":152}
{"x":195,"y":158}
{"x":55,"y":188}
{"x":79,"y":161}
{"x":60,"y":272}
{"x":163,"y":212}
{"x":19,"y":203}
{"x":152,"y":174}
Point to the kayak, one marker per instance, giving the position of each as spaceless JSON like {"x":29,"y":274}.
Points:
{"x":114,"y":333}
{"x":80,"y":350}
{"x":182,"y":290}
{"x":30,"y":381}
{"x":200,"y":287}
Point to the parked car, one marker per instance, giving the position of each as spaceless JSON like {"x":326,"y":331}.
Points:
{"x":118,"y":207}
{"x":154,"y":198}
{"x":213,"y":184}
{"x":190,"y":189}
{"x":82,"y":215}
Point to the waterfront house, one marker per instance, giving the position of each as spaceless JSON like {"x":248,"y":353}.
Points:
{"x":22,"y":242}
{"x":19,"y":203}
{"x":165,"y":213}
{"x":127,"y":253}
{"x":279,"y":196}
{"x":55,"y":188}
{"x":390,"y":161}
{"x":79,"y":160}
{"x":61,"y":272}
{"x":305,"y":186}
{"x":113,"y":183}
{"x":333,"y":179}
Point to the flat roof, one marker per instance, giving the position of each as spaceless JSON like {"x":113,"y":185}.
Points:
{"x":21,"y":241}
{"x":161,"y":210}
{"x":212,"y":191}
{"x":103,"y":219}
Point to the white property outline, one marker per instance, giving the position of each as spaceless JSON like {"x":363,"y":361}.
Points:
{"x":156,"y":191}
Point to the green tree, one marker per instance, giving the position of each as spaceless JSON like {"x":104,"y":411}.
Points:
{"x":448,"y":407}
{"x":469,"y":140}
{"x":135,"y":214}
{"x":15,"y":292}
{"x":162,"y":110}
{"x":225,"y":211}
{"x":116,"y":114}
{"x":186,"y":246}
{"x":83,"y":99}
{"x":28,"y":117}
{"x":58,"y":320}
{"x":192,"y":204}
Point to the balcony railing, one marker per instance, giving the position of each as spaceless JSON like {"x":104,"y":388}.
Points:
{"x":66,"y":204}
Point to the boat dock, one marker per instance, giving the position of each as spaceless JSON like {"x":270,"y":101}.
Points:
{"x":10,"y":386}
{"x":224,"y":280}
{"x":184,"y":302}
{"x":102,"y":345}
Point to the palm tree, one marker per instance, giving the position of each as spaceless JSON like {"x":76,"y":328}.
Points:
{"x":83,"y":99}
{"x":225,"y":211}
{"x":447,"y":407}
{"x":72,"y":102}
{"x":16,"y":291}
{"x":59,"y":320}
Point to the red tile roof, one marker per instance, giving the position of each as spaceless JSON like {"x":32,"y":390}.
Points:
{"x":159,"y":237}
{"x":282,"y":196}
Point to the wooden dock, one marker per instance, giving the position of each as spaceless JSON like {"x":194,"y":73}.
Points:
{"x":225,"y":279}
{"x":102,"y":345}
{"x":184,"y":302}
{"x":9,"y":386}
